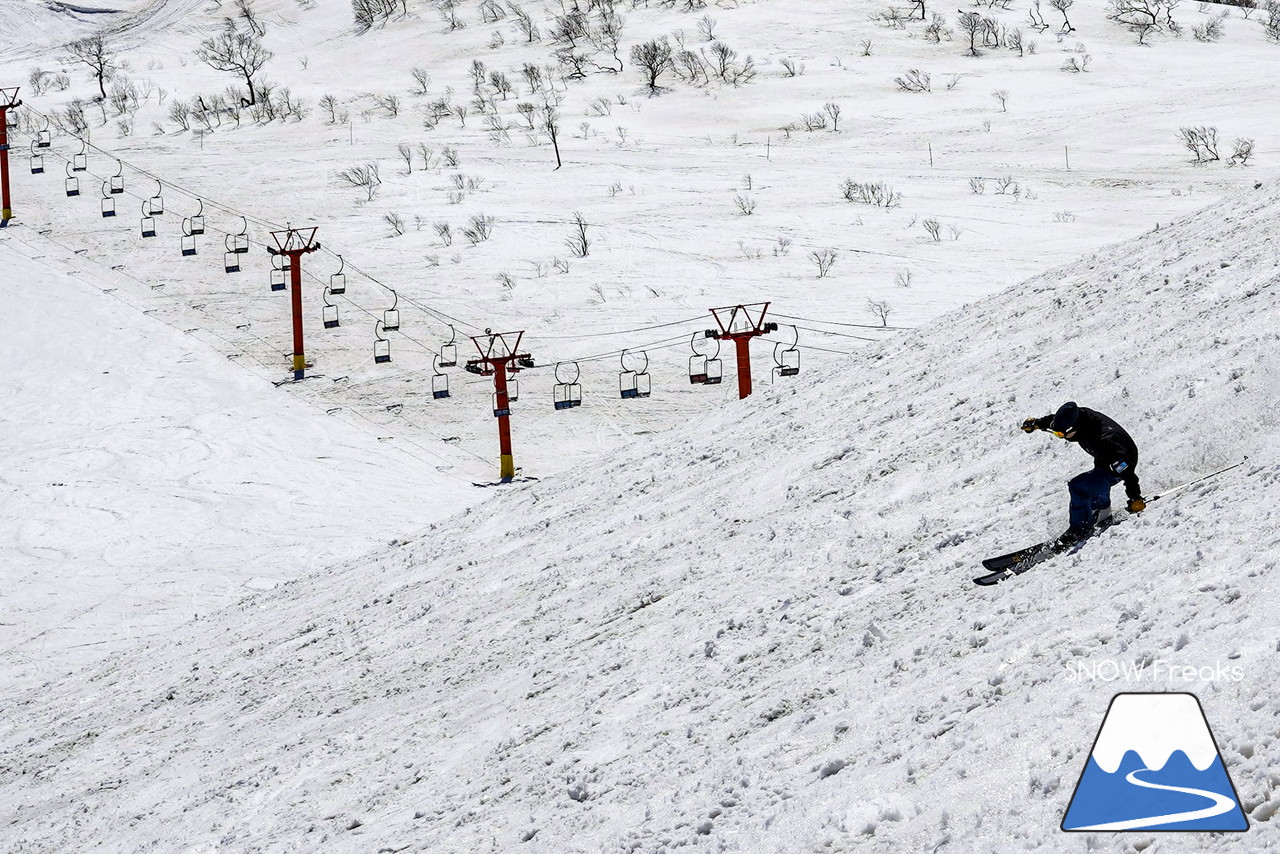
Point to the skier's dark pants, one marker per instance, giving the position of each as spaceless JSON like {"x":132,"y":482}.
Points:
{"x":1090,"y":493}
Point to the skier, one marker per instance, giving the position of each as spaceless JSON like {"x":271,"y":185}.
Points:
{"x":1115,"y":460}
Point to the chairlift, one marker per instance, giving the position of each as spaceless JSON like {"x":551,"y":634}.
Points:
{"x":148,"y":221}
{"x":391,"y":317}
{"x":188,"y":237}
{"x":108,"y":203}
{"x":277,"y":272}
{"x":787,"y":362}
{"x":449,"y":351}
{"x":117,"y":180}
{"x":230,"y":262}
{"x":156,"y":205}
{"x":715,"y":369}
{"x":439,"y":380}
{"x":381,"y":346}
{"x":329,"y":313}
{"x":239,"y":243}
{"x":567,"y":392}
{"x":37,"y":160}
{"x":513,"y":389}
{"x":338,"y":280}
{"x":80,"y":162}
{"x":697,"y":362}
{"x":634,"y":383}
{"x":196,"y":221}
{"x":506,"y":411}
{"x":44,"y":137}
{"x":72,"y":183}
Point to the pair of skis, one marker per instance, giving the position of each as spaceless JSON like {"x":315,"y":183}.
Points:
{"x":1006,"y":566}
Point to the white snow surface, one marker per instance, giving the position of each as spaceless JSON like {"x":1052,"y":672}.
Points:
{"x":246,"y":618}
{"x":758,"y":637}
{"x":1154,"y":728}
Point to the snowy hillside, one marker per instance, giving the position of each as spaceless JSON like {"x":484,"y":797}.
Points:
{"x":756,"y":633}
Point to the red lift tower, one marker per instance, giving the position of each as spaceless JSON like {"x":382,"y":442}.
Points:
{"x":294,"y":243}
{"x":739,"y":324}
{"x":499,"y":355}
{"x":8,"y":101}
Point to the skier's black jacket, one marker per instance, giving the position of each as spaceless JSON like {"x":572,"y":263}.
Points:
{"x":1108,"y":444}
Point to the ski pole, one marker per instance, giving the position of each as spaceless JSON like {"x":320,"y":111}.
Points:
{"x":1197,"y":480}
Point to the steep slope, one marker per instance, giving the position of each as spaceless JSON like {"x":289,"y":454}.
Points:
{"x":757,"y":634}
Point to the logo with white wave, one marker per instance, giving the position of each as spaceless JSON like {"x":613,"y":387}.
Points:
{"x":1155,"y":766}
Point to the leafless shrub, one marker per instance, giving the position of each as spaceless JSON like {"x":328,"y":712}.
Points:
{"x":953,"y":80}
{"x":902,"y":278}
{"x":1079,"y":62}
{"x":934,"y":228}
{"x":1212,"y":30}
{"x":832,"y":109}
{"x":449,"y":155}
{"x":39,"y":80}
{"x":937,"y":30}
{"x":507,"y":280}
{"x":1006,"y":186}
{"x":707,"y":28}
{"x":1013,"y":41}
{"x":180,"y":113}
{"x":559,"y":265}
{"x":875,"y":193}
{"x":653,"y":58}
{"x":389,"y":104}
{"x":478,"y":229}
{"x":395,"y":221}
{"x":421,"y":80}
{"x":444,"y":231}
{"x":329,"y":104}
{"x":865,"y":45}
{"x":814,"y":121}
{"x":824,"y":259}
{"x":1242,"y":151}
{"x":746,"y":205}
{"x":1002,"y":98}
{"x":406,"y":154}
{"x":578,"y":241}
{"x":1064,"y":216}
{"x":1200,"y":141}
{"x":790,"y":68}
{"x":971,"y":24}
{"x":914,"y":80}
{"x":782,"y":246}
{"x":363,"y":175}
{"x":977,"y":186}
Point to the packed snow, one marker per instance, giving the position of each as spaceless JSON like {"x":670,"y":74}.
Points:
{"x":248,"y":617}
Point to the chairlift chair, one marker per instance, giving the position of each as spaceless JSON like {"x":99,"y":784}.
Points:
{"x":449,"y":351}
{"x":72,"y":183}
{"x":787,"y":362}
{"x":715,"y":372}
{"x":80,"y":162}
{"x":381,"y":346}
{"x":277,"y":280}
{"x":499,"y":413}
{"x":338,"y":280}
{"x":108,"y":203}
{"x":148,"y":225}
{"x":567,"y":392}
{"x":44,"y":137}
{"x":188,"y":238}
{"x":156,"y":205}
{"x":231,"y":262}
{"x":239,"y":243}
{"x":117,"y":180}
{"x":329,"y":313}
{"x":513,"y":389}
{"x":391,"y":317}
{"x":631,"y":383}
{"x":697,"y":369}
{"x":196,"y":221}
{"x":37,"y":160}
{"x":439,"y":382}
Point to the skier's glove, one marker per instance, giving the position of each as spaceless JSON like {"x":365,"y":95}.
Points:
{"x":1029,"y":426}
{"x":1137,"y":505}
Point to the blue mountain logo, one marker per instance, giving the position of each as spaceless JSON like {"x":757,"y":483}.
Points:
{"x":1155,"y":766}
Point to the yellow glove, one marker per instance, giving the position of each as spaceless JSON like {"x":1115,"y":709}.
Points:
{"x":1137,"y":505}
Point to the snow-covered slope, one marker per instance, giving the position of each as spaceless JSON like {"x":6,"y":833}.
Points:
{"x":754,"y":633}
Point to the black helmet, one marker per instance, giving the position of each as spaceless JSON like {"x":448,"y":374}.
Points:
{"x":1064,"y":420}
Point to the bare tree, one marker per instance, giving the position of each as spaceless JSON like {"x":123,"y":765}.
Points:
{"x":421,"y":81}
{"x":365,"y":176}
{"x":406,"y":154}
{"x":1243,"y":150}
{"x":1202,"y":142}
{"x":934,"y":228}
{"x":914,"y":80}
{"x":971,"y":24}
{"x":1062,"y":6}
{"x":578,"y":242}
{"x":1002,"y":97}
{"x":824,"y":259}
{"x":1143,"y":17}
{"x":95,"y":52}
{"x":549,"y":117}
{"x":832,"y":109}
{"x":654,"y":59}
{"x":237,"y":52}
{"x":881,"y":309}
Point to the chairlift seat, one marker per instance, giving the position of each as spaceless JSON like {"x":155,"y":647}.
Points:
{"x":196,"y":224}
{"x":330,"y":317}
{"x":231,"y":262}
{"x":240,"y":244}
{"x":391,"y":319}
{"x":448,"y":355}
{"x":37,"y":164}
{"x":381,"y":351}
{"x":715,"y":372}
{"x":188,"y":245}
{"x":117,"y":185}
{"x":277,"y":280}
{"x":338,"y":283}
{"x":148,"y":227}
{"x":156,"y":205}
{"x":108,"y":207}
{"x":44,"y":138}
{"x":73,"y":186}
{"x":79,"y":163}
